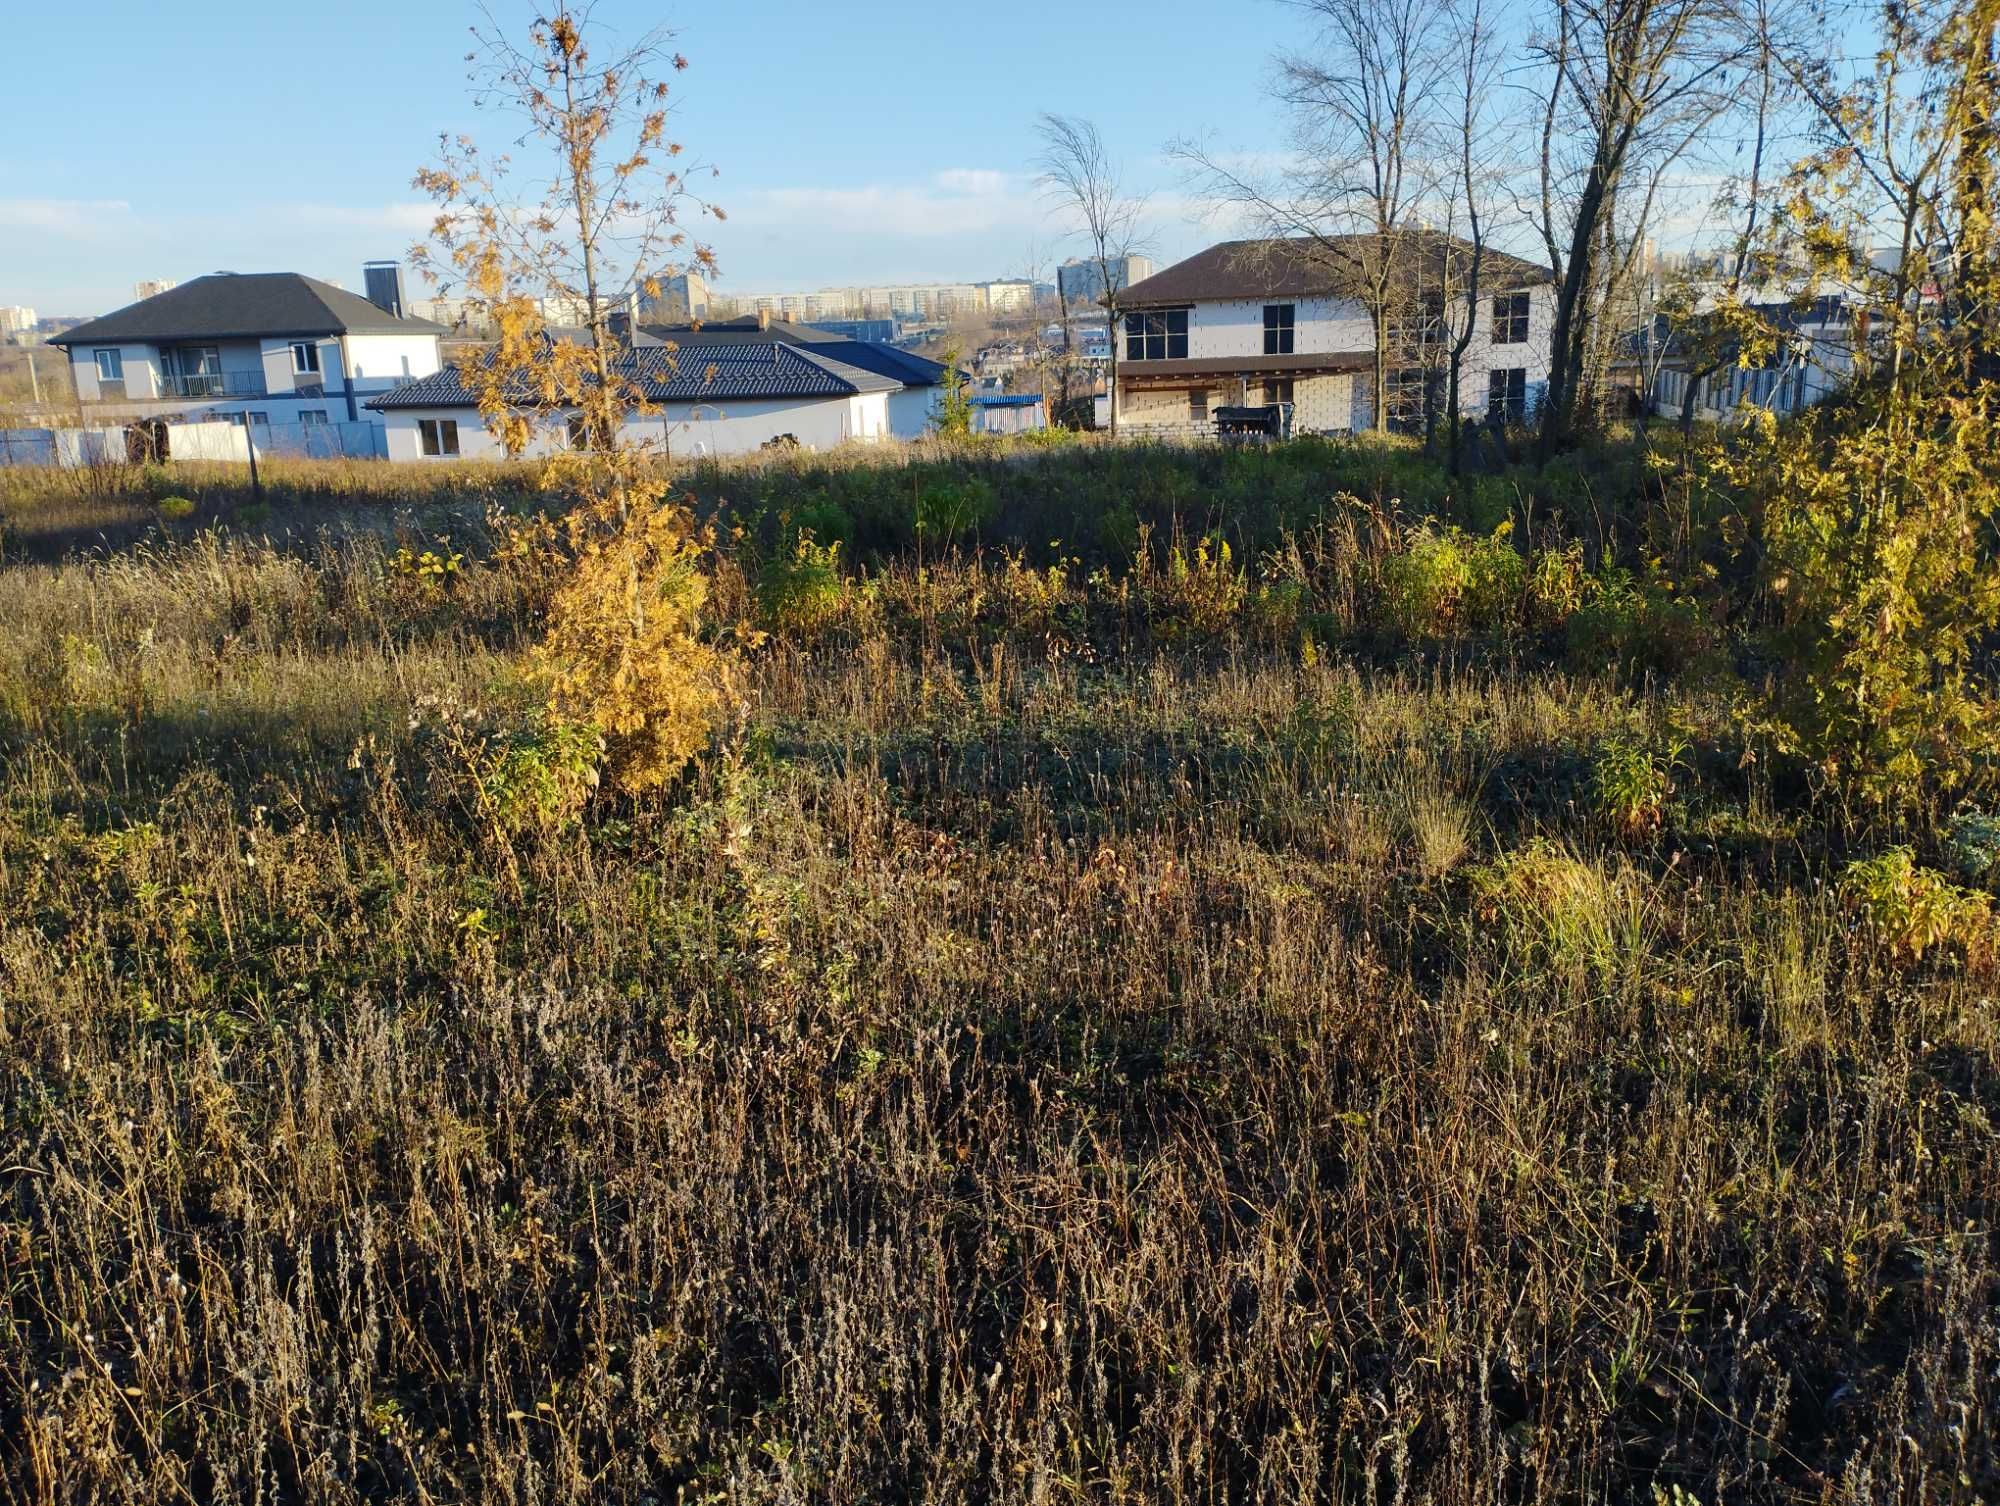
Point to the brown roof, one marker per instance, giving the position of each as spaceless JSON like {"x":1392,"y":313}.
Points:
{"x":1303,"y":267}
{"x":1314,"y":364}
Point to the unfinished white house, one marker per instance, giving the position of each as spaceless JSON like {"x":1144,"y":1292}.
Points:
{"x":1274,"y":322}
{"x":709,"y":399}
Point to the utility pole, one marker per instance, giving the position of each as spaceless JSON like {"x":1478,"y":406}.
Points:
{"x":34,"y":380}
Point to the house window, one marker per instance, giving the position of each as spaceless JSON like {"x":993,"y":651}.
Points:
{"x":1277,"y":390}
{"x":1419,"y":326}
{"x":262,"y":420}
{"x":1198,"y":407}
{"x":110,"y":365}
{"x":438,"y":436}
{"x":579,"y":432}
{"x":305,"y":358}
{"x":312,"y":418}
{"x":1157,"y":336}
{"x":1507,"y":394}
{"x":1409,"y":393}
{"x":1277,"y":329}
{"x":1510,"y":319}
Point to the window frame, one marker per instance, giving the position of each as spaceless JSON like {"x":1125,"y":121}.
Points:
{"x":1502,"y":398}
{"x":432,"y":434}
{"x":1280,"y":329}
{"x":1198,"y":405}
{"x":1156,"y":335}
{"x":1510,"y":316}
{"x":117,"y":355}
{"x":1279,"y":391}
{"x":313,"y":417}
{"x":305,"y":358}
{"x":1410,"y":391}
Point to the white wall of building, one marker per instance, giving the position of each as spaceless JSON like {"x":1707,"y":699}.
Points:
{"x":384,"y":360}
{"x":725,"y":428}
{"x":1235,"y":327}
{"x":141,"y":364}
{"x":910,"y":411}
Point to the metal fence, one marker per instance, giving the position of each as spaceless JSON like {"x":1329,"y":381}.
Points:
{"x":156,"y":440}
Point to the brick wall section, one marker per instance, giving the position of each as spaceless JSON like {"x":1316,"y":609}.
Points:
{"x":1321,"y":405}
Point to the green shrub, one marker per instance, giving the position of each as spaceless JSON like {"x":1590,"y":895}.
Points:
{"x":1915,"y":910}
{"x":805,"y":591}
{"x":1446,"y":581}
{"x":1974,"y":842}
{"x":949,"y":509}
{"x":538,"y":778}
{"x":1630,"y":627}
{"x":1631,"y":783}
{"x":173,"y":509}
{"x":821,"y":518}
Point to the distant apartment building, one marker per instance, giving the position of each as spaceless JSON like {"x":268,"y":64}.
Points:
{"x":681,"y":298}
{"x":16,"y":319}
{"x":1083,"y":281}
{"x":152,"y":287}
{"x":1012,"y":296}
{"x":932,"y":300}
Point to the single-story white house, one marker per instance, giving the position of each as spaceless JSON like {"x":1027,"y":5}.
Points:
{"x":912,"y":409}
{"x":709,"y":399}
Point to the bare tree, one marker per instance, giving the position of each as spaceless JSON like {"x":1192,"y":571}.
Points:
{"x":595,"y":222}
{"x":1905,"y":160}
{"x":1631,"y":83}
{"x":1472,"y":185}
{"x":1361,"y":109}
{"x":1077,"y":172}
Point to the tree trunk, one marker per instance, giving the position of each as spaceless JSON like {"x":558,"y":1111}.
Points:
{"x":1111,"y":386}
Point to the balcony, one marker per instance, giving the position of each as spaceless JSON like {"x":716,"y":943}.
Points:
{"x":214,"y":384}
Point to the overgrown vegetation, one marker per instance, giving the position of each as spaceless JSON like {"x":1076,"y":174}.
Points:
{"x":1298,"y":991}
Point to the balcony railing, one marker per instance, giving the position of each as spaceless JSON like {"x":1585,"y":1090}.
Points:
{"x":214,"y":384}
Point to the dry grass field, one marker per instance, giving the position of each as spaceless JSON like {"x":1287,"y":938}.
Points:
{"x":1119,"y":1019}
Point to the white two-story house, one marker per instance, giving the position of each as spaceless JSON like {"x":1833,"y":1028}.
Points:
{"x":1262,"y":322}
{"x":275,"y":350}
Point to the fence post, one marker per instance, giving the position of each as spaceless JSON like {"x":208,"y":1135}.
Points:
{"x":250,"y":446}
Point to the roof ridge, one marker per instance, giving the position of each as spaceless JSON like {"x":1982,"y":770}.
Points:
{"x":313,"y":286}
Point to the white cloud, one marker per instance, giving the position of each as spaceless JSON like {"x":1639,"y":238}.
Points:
{"x":978,"y":181}
{"x":68,"y":217}
{"x":957,"y":201}
{"x":403,"y":218}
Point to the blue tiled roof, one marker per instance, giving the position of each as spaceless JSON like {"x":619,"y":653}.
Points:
{"x":693,"y":373}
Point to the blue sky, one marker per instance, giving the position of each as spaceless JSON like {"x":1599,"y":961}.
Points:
{"x":885,"y":142}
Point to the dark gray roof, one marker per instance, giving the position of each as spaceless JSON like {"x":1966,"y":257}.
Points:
{"x":1304,"y":267}
{"x":903,"y":366}
{"x":693,"y":373}
{"x":245,"y":306}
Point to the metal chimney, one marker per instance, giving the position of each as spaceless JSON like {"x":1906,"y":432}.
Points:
{"x":384,"y":283}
